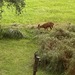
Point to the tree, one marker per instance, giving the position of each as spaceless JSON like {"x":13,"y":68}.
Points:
{"x":18,"y":4}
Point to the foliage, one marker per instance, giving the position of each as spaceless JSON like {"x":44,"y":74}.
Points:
{"x":10,"y":33}
{"x":18,"y":4}
{"x":57,"y":51}
{"x":37,"y":11}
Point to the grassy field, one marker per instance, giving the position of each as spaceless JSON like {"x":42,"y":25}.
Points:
{"x":37,"y":11}
{"x":16,"y":56}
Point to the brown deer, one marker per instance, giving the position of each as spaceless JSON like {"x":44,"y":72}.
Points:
{"x":46,"y":25}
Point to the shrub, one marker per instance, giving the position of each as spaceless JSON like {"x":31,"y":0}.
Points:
{"x":12,"y":34}
{"x":54,"y":55}
{"x":57,"y":51}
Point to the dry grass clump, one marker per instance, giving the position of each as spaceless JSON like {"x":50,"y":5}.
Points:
{"x":57,"y":52}
{"x":55,"y":56}
{"x":71,"y":28}
{"x":60,"y":34}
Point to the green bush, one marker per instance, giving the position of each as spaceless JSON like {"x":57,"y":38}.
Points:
{"x":12,"y":34}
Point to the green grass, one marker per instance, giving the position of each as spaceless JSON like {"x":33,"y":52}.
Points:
{"x":37,"y":11}
{"x":16,"y":56}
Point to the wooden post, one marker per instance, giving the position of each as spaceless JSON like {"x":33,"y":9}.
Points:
{"x":36,"y":57}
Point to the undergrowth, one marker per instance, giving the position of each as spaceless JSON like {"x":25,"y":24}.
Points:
{"x":56,"y":50}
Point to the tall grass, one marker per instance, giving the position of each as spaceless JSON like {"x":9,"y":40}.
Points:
{"x":56,"y":51}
